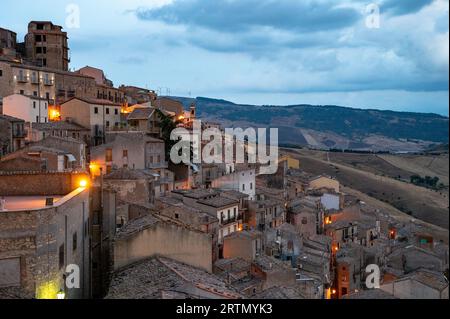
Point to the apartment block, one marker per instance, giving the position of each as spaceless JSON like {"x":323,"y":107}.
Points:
{"x":47,"y":46}
{"x":31,"y":109}
{"x":97,"y":115}
{"x":26,"y":80}
{"x":12,"y":134}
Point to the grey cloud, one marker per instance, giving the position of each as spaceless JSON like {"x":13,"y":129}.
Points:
{"x":402,"y":7}
{"x":242,"y":15}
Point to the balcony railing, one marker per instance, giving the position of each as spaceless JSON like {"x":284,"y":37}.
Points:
{"x":22,"y":79}
{"x":19,"y":134}
{"x":48,"y":82}
{"x":224,"y":221}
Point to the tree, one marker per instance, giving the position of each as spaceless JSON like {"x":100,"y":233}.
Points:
{"x":168,"y":124}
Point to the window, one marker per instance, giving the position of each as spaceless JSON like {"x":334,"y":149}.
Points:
{"x":125,"y":153}
{"x":61,"y":256}
{"x":96,"y":110}
{"x":44,"y":62}
{"x":74,"y":241}
{"x":304,"y":221}
{"x":116,"y":111}
{"x":37,"y":119}
{"x":107,"y":123}
{"x":251,"y":185}
{"x":22,"y":92}
{"x":45,"y":105}
{"x":1,"y":72}
{"x":34,"y":104}
{"x":35,"y":93}
{"x":108,"y":155}
{"x":229,"y":214}
{"x":177,"y":216}
{"x":243,"y":187}
{"x":107,"y":110}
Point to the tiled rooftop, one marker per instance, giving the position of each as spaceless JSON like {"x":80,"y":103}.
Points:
{"x":218,"y":202}
{"x":149,"y":278}
{"x":277,"y":292}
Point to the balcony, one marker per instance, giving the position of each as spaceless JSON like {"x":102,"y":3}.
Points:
{"x":231,"y":220}
{"x":22,"y":79}
{"x":48,"y":82}
{"x":19,"y":134}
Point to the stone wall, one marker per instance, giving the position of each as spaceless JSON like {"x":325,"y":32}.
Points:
{"x":39,"y":184}
{"x":34,"y":238}
{"x":168,"y":240}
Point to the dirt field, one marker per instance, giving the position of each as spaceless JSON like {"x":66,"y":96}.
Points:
{"x":422,"y":165}
{"x":366,"y":176}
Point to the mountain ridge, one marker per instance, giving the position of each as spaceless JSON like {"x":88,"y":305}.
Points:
{"x":331,"y":126}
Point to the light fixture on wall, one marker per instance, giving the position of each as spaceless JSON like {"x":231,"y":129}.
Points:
{"x":61,"y":294}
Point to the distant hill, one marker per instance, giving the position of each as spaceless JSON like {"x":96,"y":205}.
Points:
{"x":331,"y":126}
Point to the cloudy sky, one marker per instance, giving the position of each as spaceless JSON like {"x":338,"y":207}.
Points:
{"x":262,"y":51}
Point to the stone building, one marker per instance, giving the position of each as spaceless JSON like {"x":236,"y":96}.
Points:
{"x":103,"y":225}
{"x":97,"y":115}
{"x":327,"y":182}
{"x":16,"y":78}
{"x":52,"y":153}
{"x":63,"y":129}
{"x":242,"y":179}
{"x":8,"y":40}
{"x":307,"y":214}
{"x":134,"y":150}
{"x":131,"y":186}
{"x":150,"y":236}
{"x":47,"y":46}
{"x":37,"y":158}
{"x":145,"y":119}
{"x":247,"y":245}
{"x":210,"y":201}
{"x":170,"y":105}
{"x":45,"y":228}
{"x":104,"y":88}
{"x":12,"y":134}
{"x":273,"y":272}
{"x":420,"y":284}
{"x":70,"y":84}
{"x":136,"y":95}
{"x":265,"y":213}
{"x":29,"y":108}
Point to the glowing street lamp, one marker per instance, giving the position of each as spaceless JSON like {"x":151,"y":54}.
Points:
{"x":83,"y":183}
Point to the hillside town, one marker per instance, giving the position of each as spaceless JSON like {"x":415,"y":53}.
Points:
{"x":86,"y":179}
